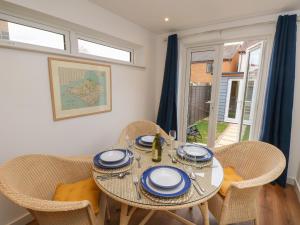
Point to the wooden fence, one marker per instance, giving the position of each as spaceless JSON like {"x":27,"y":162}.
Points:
{"x":198,"y":106}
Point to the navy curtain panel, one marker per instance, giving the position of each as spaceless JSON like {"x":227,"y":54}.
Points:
{"x":277,"y":120}
{"x":167,"y":113}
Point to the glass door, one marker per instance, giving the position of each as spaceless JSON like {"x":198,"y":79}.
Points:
{"x":240,"y":77}
{"x":202,"y":86}
{"x":233,"y":101}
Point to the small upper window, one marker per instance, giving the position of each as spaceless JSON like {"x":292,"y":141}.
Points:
{"x":96,"y":49}
{"x":209,"y":68}
{"x":29,"y":35}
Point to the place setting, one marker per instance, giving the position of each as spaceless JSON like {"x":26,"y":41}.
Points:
{"x":115,"y":162}
{"x":144,"y":142}
{"x":166,"y":184}
{"x":193,"y":155}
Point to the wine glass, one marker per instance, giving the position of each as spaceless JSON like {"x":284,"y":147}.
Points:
{"x":172,"y":136}
{"x":129,"y":153}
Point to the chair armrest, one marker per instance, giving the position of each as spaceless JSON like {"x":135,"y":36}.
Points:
{"x":52,"y":206}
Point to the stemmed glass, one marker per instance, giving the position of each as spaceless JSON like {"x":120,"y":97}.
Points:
{"x":130,"y":155}
{"x":172,"y":136}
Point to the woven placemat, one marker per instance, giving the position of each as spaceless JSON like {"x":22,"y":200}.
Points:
{"x":168,"y":201}
{"x":191,"y":163}
{"x":118,"y":170}
{"x":144,"y":149}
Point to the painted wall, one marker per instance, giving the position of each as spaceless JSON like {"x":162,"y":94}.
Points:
{"x":26,"y":114}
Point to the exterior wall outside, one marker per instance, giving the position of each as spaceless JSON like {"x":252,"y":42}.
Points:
{"x":232,"y":64}
{"x":199,"y":74}
{"x":4,"y":35}
{"x":222,"y":98}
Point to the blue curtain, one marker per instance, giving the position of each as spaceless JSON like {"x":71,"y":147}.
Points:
{"x":277,"y":121}
{"x":167,"y":113}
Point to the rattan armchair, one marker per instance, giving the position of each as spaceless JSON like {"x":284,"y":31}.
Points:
{"x":258,"y":163}
{"x":137,"y":128}
{"x":30,"y":182}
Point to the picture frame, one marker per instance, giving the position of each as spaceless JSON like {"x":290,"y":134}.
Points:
{"x":79,"y":88}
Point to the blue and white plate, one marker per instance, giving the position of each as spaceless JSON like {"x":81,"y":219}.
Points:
{"x":124,"y":162}
{"x":162,"y":192}
{"x":140,"y":142}
{"x":165,"y":177}
{"x":194,"y":150}
{"x":183,"y":154}
{"x":112,"y":156}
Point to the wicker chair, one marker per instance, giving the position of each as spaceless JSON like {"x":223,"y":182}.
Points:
{"x":30,"y":182}
{"x":137,"y":128}
{"x":258,"y":163}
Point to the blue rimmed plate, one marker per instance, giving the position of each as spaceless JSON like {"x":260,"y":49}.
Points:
{"x":182,"y":153}
{"x":140,"y":142}
{"x":165,"y":193}
{"x":165,"y":177}
{"x":124,"y":162}
{"x":112,"y":156}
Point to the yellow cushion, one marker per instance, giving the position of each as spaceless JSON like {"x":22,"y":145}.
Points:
{"x":230,"y":176}
{"x":79,"y":191}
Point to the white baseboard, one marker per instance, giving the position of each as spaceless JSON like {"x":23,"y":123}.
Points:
{"x":22,"y":220}
{"x":295,"y":183}
{"x":297,"y":189}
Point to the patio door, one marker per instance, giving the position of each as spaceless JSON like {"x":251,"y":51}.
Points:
{"x":220,"y":93}
{"x":233,"y":101}
{"x":202,"y":82}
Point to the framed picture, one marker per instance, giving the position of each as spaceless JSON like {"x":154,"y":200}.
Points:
{"x":79,"y":88}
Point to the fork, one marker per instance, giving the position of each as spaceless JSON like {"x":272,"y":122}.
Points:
{"x":136,"y":183}
{"x":192,"y":175}
{"x":138,"y":159}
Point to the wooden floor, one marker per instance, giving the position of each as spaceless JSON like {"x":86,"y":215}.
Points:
{"x":278,"y":206}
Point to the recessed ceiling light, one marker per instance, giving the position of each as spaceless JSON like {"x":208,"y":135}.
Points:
{"x":166,"y":19}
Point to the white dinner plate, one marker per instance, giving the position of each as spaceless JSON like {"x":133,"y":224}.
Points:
{"x":147,"y":138}
{"x":165,"y":191}
{"x":195,"y":151}
{"x":165,"y":177}
{"x":112,"y":156}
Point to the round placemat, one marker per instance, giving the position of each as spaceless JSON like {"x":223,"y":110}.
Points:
{"x":117,"y":170}
{"x":190,"y":163}
{"x":168,"y":201}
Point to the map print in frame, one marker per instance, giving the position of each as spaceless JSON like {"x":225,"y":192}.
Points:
{"x":79,"y":88}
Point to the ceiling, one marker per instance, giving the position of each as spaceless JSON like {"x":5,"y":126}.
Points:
{"x":185,"y":14}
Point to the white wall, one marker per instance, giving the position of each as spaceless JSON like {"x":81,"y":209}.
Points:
{"x":294,"y":162}
{"x":26,"y":114}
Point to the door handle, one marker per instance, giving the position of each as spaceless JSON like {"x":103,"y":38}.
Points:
{"x":208,"y":102}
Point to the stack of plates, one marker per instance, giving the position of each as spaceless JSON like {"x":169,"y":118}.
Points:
{"x":165,"y":181}
{"x":147,"y":140}
{"x":195,"y":152}
{"x":113,"y":159}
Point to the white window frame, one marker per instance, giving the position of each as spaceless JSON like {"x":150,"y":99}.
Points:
{"x":100,"y":42}
{"x":9,"y":43}
{"x":71,"y":45}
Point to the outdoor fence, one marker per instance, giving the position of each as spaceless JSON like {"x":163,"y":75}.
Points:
{"x":198,"y":107}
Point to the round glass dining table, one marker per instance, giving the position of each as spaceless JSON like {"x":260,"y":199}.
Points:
{"x":123,"y":189}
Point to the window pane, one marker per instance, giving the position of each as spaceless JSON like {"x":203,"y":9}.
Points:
{"x":91,"y":48}
{"x":29,"y":35}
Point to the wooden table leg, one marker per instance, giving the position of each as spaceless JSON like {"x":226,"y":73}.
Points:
{"x":205,"y":213}
{"x":103,"y":207}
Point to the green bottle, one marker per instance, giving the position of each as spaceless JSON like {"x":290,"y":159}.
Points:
{"x":156,"y":146}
